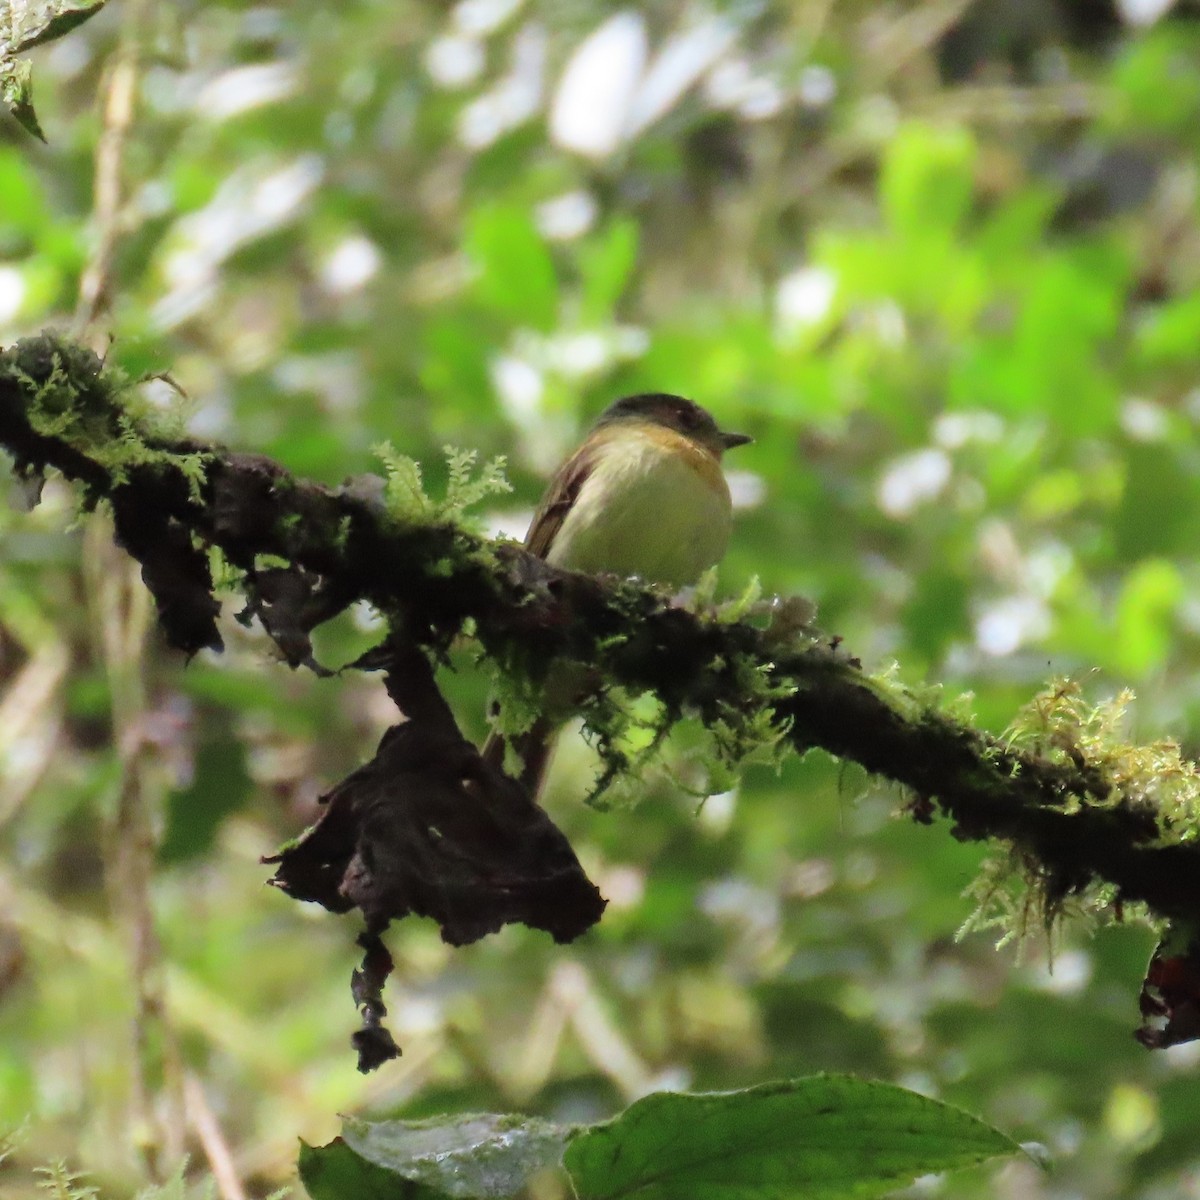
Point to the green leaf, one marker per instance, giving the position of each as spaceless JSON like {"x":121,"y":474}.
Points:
{"x":606,"y":264}
{"x":1168,"y":334}
{"x":1149,"y":597}
{"x":24,"y":216}
{"x":16,"y":91}
{"x":24,"y":25}
{"x":927,"y":178}
{"x":454,"y":366}
{"x":335,"y":1172}
{"x":516,"y":273}
{"x":937,"y":612}
{"x":472,"y":1155}
{"x":820,"y":1138}
{"x":220,"y":786}
{"x":1154,"y":82}
{"x":1156,"y":513}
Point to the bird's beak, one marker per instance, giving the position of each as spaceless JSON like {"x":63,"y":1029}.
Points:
{"x":729,"y":440}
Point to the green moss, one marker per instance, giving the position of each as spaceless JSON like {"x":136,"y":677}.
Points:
{"x":1015,"y":893}
{"x":225,"y":576}
{"x":72,"y":396}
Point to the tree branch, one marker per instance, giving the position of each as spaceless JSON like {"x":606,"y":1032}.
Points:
{"x":1075,"y":820}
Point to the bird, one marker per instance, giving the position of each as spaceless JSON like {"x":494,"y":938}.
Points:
{"x":643,"y":495}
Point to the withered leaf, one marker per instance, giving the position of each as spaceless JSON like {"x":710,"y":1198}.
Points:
{"x":426,"y":827}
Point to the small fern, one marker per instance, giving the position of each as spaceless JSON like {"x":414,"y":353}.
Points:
{"x":174,"y":1187}
{"x":404,"y":490}
{"x":56,"y":1181}
{"x":741,"y":607}
{"x":463,"y":492}
{"x":11,"y":1140}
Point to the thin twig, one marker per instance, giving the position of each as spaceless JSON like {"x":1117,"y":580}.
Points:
{"x":198,"y":1009}
{"x":891,"y":44}
{"x":109,"y":192}
{"x":216,"y":1149}
{"x":30,"y":709}
{"x":1003,"y":105}
{"x":122,"y":619}
{"x":603,"y":1043}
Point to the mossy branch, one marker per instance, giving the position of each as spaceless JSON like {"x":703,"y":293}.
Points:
{"x":1076,"y":818}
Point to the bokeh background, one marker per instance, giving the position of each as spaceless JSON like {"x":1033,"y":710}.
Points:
{"x":941,"y":258}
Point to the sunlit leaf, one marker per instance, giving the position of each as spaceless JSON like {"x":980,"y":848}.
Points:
{"x":476,"y":1155}
{"x":821,"y":1138}
{"x":1156,"y":514}
{"x":927,"y":178}
{"x":516,"y":275}
{"x":1149,"y":596}
{"x":605,"y":265}
{"x":335,"y":1172}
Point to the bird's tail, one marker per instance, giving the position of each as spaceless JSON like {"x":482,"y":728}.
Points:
{"x":534,"y":747}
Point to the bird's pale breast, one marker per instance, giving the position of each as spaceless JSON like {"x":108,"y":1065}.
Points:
{"x":654,"y":505}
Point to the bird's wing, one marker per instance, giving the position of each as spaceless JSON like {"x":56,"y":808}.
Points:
{"x":557,"y":502}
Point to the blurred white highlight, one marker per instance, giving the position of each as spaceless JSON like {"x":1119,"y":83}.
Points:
{"x":251,"y":202}
{"x":610,"y":90}
{"x":955,"y":429}
{"x":803,"y":298}
{"x":454,"y":62}
{"x":716,"y":813}
{"x":476,"y":18}
{"x":567,"y":216}
{"x":514,"y":99}
{"x":244,"y":88}
{"x":1144,"y":421}
{"x":519,"y":385}
{"x":747,"y":489}
{"x":353,"y":263}
{"x":912,"y":480}
{"x":508,"y":524}
{"x":578,"y":354}
{"x":1006,"y":625}
{"x":818,"y":86}
{"x":679,"y":64}
{"x":1144,"y":12}
{"x":591,"y":107}
{"x":12,"y":293}
{"x":733,"y":85}
{"x":727,"y":82}
{"x":763,"y":98}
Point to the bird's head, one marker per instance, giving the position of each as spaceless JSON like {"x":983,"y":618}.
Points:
{"x":674,"y":412}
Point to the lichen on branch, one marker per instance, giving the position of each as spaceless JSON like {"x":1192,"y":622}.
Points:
{"x":1083,"y":816}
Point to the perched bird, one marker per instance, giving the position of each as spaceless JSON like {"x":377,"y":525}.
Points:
{"x":643,"y":495}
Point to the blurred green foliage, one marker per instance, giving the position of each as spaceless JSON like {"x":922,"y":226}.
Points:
{"x":941,"y":259}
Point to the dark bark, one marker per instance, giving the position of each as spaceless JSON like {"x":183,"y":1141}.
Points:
{"x":1059,"y":813}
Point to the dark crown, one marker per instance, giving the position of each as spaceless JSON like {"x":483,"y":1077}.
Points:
{"x":664,"y":409}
